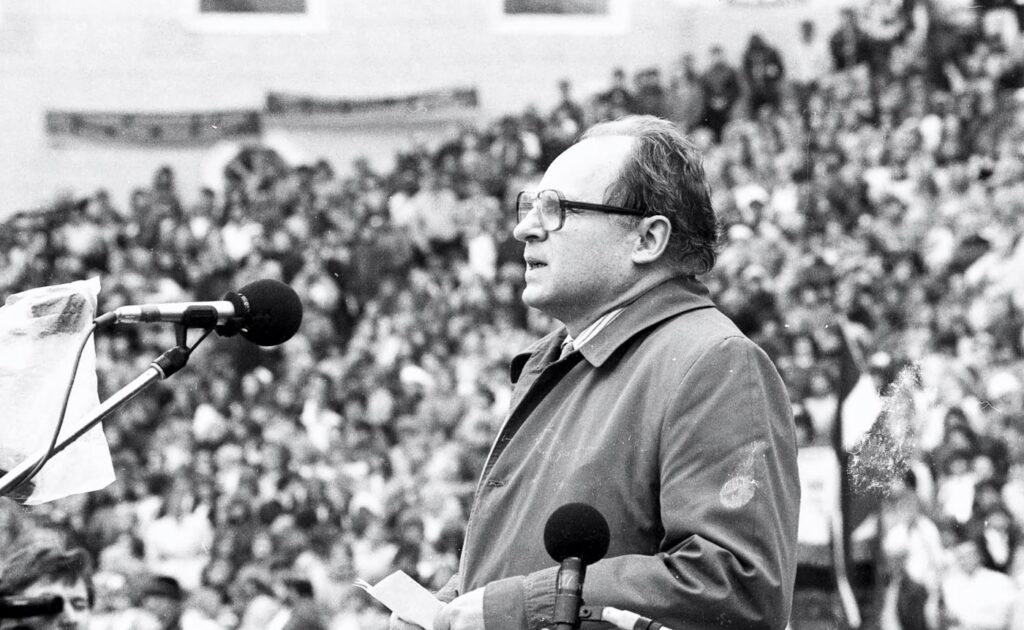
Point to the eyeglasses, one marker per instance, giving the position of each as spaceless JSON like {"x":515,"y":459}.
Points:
{"x":551,"y":206}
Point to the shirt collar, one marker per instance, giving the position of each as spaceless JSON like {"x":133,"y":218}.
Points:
{"x":593,"y":329}
{"x":668,"y":299}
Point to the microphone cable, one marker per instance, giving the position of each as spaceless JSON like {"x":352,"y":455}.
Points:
{"x":32,"y":472}
{"x":28,"y":475}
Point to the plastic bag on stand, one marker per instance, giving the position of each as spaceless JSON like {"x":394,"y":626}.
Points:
{"x":40,"y":333}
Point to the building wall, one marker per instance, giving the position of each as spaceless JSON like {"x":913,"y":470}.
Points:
{"x":157,"y":55}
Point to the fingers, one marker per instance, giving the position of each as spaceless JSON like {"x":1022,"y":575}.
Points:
{"x":443,"y":619}
{"x":465,"y":612}
{"x":397,"y":623}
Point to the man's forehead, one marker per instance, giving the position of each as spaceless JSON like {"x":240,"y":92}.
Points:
{"x":585,"y":170}
{"x":56,"y":587}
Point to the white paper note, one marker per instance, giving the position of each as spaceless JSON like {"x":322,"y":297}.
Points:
{"x":404,"y":596}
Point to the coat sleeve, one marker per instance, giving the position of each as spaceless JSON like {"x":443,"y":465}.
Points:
{"x":729,"y":498}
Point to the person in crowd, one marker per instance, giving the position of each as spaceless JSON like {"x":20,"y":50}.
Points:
{"x":722,"y":89}
{"x":848,"y":43}
{"x":808,"y":65}
{"x":177,"y":539}
{"x":617,"y":100}
{"x":164,"y":599}
{"x":298,"y":609}
{"x":508,"y":149}
{"x":884,"y":24}
{"x":998,"y":535}
{"x":977,"y":597}
{"x":684,"y":98}
{"x":568,"y":114}
{"x":33,"y":572}
{"x":914,"y":558}
{"x":763,"y":74}
{"x":564,"y":123}
{"x":616,"y":233}
{"x":650,"y":93}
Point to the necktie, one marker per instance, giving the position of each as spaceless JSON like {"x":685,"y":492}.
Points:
{"x":566,"y":349}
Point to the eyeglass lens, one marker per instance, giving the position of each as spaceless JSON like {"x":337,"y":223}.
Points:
{"x":548,"y":207}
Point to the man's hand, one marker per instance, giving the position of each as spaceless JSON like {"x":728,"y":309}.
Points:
{"x":465,"y":612}
{"x":397,"y":623}
{"x":21,"y":492}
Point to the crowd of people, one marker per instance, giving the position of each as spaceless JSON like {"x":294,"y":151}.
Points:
{"x":873,"y":185}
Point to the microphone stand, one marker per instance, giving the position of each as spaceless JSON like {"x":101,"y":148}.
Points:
{"x":163,"y":366}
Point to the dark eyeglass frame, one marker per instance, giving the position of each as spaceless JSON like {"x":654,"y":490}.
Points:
{"x":563,"y":205}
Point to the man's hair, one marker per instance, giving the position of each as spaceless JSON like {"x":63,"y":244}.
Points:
{"x":36,"y":562}
{"x":163,"y":586}
{"x":664,"y":174}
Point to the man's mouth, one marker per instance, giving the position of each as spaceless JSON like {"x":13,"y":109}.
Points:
{"x":534,"y":264}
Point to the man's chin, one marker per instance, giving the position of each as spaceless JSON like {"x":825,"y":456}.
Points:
{"x":533,"y":298}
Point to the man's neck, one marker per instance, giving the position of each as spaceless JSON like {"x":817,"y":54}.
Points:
{"x":645,"y":284}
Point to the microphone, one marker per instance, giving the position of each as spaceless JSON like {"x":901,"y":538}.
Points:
{"x":266,"y":312}
{"x":23,"y":607}
{"x":575,"y":535}
{"x":621,"y":619}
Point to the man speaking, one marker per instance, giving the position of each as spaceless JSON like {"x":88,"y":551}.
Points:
{"x":648,"y":404}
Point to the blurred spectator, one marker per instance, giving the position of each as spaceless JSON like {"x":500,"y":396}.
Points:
{"x":298,"y":610}
{"x":44,"y":571}
{"x":809,"y":65}
{"x":649,"y":92}
{"x":722,"y":87}
{"x":177,"y":540}
{"x":684,"y":99}
{"x":508,"y":149}
{"x":617,"y":100}
{"x":848,"y":43}
{"x":163,"y":598}
{"x":763,"y":74}
{"x":912,"y":546}
{"x":252,"y":598}
{"x":977,"y":597}
{"x":1001,"y":22}
{"x":438,"y":225}
{"x":884,"y":24}
{"x":565,"y":122}
{"x":998,"y":535}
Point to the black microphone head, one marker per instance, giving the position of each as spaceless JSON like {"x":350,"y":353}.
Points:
{"x":576,"y":530}
{"x":274,"y":311}
{"x":15,"y":607}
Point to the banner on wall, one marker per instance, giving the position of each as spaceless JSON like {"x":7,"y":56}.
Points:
{"x":764,"y":3}
{"x":153,"y":128}
{"x":446,"y":104}
{"x":210,"y":127}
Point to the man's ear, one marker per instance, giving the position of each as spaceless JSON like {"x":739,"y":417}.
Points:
{"x":652,"y":239}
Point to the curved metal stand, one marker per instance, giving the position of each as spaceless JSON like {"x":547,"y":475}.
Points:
{"x":163,"y":366}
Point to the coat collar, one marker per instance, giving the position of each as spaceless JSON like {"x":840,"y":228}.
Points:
{"x":668,"y":299}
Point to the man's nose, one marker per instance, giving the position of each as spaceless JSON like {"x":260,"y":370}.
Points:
{"x":74,"y":618}
{"x":529,"y":228}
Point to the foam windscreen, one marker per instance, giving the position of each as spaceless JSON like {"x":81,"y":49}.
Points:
{"x":576,"y":530}
{"x":273,"y":312}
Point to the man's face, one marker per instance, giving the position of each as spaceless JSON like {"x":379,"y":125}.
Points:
{"x":968,"y":557}
{"x":807,"y":31}
{"x":75,"y":615}
{"x":575,"y":273}
{"x":167,"y":610}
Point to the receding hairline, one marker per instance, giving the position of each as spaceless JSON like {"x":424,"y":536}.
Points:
{"x":625,"y":144}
